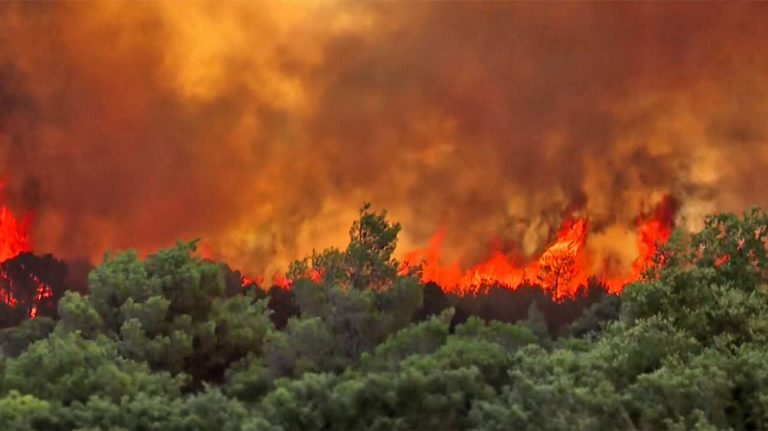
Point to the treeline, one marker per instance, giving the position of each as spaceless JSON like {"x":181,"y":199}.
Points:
{"x":174,"y":342}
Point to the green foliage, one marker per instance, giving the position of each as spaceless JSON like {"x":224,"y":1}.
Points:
{"x":366,"y":263}
{"x":24,"y":412}
{"x":509,"y":337}
{"x":338,"y":325}
{"x":705,"y":293}
{"x":305,"y":345}
{"x":594,"y":318}
{"x":159,"y":344}
{"x":537,"y":323}
{"x":672,"y":362}
{"x":299,"y":404}
{"x":16,"y":339}
{"x":70,"y":368}
{"x":168,"y":311}
{"x":248,"y":380}
{"x":372,"y":240}
{"x":78,"y":314}
{"x":357,"y":302}
{"x":421,"y":339}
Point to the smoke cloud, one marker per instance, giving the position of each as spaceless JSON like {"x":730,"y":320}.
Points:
{"x":263,"y":126}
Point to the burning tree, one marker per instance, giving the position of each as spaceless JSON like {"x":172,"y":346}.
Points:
{"x":556,"y":270}
{"x":30,"y":286}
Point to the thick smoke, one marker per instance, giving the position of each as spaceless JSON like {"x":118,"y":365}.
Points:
{"x":263,"y":126}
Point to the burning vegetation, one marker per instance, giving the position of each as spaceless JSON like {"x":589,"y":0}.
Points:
{"x":561,"y":272}
{"x":29,"y":285}
{"x":566,"y":175}
{"x":176,"y":335}
{"x":563,"y":268}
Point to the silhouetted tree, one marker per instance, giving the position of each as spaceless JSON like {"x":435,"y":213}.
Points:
{"x":30,"y":286}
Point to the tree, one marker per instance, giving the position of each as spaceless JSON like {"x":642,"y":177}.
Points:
{"x":713,"y":283}
{"x":25,"y":412}
{"x":161,"y":344}
{"x":372,"y":240}
{"x":537,"y":323}
{"x":30,"y":286}
{"x":171,"y":312}
{"x":349,"y":301}
{"x":16,"y":339}
{"x":557,"y":269}
{"x":365,"y":264}
{"x":70,"y":368}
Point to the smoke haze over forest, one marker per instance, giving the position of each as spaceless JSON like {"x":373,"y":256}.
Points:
{"x":263,"y":126}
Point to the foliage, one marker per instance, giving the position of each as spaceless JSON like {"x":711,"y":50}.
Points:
{"x":169,"y":311}
{"x":169,"y":343}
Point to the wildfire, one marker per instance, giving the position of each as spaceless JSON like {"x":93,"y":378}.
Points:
{"x":14,"y":240}
{"x":285,"y":283}
{"x":14,"y":233}
{"x":561,"y":269}
{"x":42,"y":293}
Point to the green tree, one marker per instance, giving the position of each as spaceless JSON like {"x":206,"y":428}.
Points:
{"x":25,"y":412}
{"x":14,"y":340}
{"x":70,"y":368}
{"x":365,"y":264}
{"x":714,"y":284}
{"x":169,"y":311}
{"x":350,"y":301}
{"x":372,"y":240}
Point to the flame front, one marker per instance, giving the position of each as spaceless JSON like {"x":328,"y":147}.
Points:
{"x":562,"y":269}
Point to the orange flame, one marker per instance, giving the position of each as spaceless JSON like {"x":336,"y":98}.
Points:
{"x":279,"y":280}
{"x":561,"y":269}
{"x":14,"y":234}
{"x":14,"y":240}
{"x":652,"y":232}
{"x":282,"y":282}
{"x":43,"y":292}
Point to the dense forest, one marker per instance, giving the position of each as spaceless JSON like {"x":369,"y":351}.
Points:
{"x":176,"y":342}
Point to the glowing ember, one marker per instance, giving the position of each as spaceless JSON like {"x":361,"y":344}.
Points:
{"x":42,"y":293}
{"x":247,"y":281}
{"x":279,"y":280}
{"x":282,"y":282}
{"x":5,"y":294}
{"x":315,"y":275}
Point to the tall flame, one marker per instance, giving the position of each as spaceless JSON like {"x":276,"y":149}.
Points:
{"x":14,"y":240}
{"x":652,"y":232}
{"x":14,"y":233}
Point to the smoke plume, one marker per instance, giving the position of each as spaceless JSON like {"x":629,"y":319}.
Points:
{"x":263,"y":126}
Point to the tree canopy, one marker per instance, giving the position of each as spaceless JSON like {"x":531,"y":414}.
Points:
{"x":166,"y":343}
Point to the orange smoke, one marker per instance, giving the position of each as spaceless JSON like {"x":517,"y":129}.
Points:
{"x":562,"y":268}
{"x":261,"y":126}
